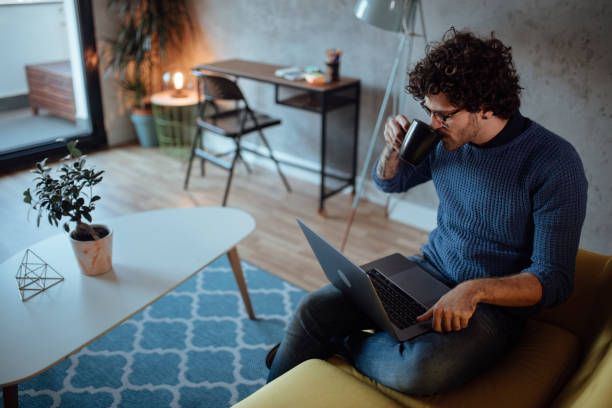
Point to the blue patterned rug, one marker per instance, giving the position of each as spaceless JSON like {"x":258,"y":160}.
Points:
{"x":195,"y":347}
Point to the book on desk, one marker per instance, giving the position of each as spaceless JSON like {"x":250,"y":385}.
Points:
{"x":294,"y":73}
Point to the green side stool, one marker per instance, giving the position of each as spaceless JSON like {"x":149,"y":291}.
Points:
{"x":175,"y":121}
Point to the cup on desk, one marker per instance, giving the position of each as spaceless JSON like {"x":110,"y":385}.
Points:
{"x":333,"y":71}
{"x":420,"y":139}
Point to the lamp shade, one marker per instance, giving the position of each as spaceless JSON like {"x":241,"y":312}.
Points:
{"x":385,"y":14}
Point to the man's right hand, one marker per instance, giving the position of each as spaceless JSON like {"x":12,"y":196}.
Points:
{"x":395,"y":130}
{"x":389,"y":162}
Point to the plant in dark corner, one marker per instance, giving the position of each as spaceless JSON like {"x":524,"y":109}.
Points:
{"x":67,"y":197}
{"x":147,"y":29}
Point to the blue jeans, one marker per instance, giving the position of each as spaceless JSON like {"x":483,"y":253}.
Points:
{"x":327,"y":323}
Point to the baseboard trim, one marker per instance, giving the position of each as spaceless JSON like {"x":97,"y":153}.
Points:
{"x":219,"y":143}
{"x":408,"y":213}
{"x":414,"y":215}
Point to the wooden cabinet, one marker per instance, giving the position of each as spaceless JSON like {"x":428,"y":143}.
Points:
{"x":50,"y":88}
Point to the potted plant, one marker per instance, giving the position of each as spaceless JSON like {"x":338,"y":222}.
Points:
{"x":146,"y":29}
{"x":69,"y":196}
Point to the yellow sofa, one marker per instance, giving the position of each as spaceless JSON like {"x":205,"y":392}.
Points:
{"x":564,"y":359}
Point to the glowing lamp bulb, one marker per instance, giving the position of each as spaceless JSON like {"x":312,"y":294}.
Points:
{"x":178,"y":81}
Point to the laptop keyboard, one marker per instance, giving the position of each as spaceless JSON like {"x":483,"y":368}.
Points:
{"x":400,"y":307}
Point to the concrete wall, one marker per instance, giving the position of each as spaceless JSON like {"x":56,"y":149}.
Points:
{"x":561,"y":51}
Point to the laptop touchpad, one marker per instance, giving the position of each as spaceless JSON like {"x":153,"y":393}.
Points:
{"x":419,"y":284}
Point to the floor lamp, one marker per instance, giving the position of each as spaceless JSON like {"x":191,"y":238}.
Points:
{"x":391,"y":15}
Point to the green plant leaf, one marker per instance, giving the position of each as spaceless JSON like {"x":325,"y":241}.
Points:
{"x":27,"y":197}
{"x":74,"y":152}
{"x":41,"y":165}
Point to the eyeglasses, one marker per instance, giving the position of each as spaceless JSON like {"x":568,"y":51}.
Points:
{"x":442,"y":117}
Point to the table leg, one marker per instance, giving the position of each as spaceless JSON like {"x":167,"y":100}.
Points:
{"x":10,"y":396}
{"x":232,"y":254}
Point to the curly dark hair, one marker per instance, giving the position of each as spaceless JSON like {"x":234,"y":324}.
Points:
{"x":473,"y":73}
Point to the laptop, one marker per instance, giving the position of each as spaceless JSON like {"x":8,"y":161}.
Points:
{"x":392,"y":291}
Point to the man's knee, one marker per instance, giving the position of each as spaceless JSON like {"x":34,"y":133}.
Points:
{"x":425,"y":377}
{"x":315,"y":305}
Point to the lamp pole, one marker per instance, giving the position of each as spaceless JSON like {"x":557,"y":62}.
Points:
{"x":408,"y":24}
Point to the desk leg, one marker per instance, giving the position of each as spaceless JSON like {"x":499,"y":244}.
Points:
{"x":323,"y":153}
{"x":232,"y":254}
{"x":356,"y":135}
{"x":10,"y":396}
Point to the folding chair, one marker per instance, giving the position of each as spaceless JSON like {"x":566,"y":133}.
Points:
{"x":233,"y":123}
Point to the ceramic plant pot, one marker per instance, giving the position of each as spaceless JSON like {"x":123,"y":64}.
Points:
{"x":94,"y":257}
{"x":144,"y":125}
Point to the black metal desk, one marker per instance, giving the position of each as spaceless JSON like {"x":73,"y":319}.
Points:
{"x":319,"y":99}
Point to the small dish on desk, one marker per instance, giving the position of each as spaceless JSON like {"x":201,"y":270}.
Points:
{"x":315,"y":78}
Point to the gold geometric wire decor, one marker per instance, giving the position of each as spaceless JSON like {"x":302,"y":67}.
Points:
{"x":35,"y":276}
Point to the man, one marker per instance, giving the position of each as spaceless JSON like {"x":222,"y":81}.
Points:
{"x":512,"y":203}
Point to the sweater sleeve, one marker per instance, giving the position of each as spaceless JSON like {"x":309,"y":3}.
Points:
{"x":559,"y":207}
{"x":407,"y":177}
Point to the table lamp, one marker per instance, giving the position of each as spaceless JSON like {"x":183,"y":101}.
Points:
{"x":395,"y":16}
{"x":178,"y":80}
{"x":385,"y":14}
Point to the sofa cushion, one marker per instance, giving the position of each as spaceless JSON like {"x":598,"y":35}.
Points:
{"x":592,"y":286}
{"x":590,"y":384}
{"x":315,"y":383}
{"x":530,"y":374}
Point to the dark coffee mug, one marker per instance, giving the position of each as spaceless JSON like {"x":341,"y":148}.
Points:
{"x":420,"y":139}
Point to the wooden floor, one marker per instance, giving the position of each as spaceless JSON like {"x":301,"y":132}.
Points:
{"x":139,"y":179}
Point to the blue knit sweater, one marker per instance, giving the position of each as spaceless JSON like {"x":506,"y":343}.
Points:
{"x":518,"y":207}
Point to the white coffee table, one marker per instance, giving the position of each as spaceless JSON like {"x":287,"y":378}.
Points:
{"x":153,"y":253}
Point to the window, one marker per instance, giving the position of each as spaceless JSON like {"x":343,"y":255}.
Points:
{"x":49,"y":85}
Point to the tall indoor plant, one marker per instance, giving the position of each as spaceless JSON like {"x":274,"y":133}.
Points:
{"x":67,"y":196}
{"x":147,"y":28}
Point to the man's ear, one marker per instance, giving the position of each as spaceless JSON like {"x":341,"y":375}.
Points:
{"x":485,"y":114}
